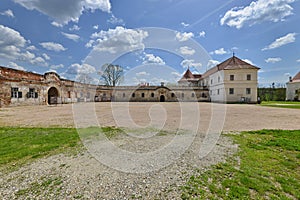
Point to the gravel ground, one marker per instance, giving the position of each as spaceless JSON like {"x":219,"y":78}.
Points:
{"x":83,"y":176}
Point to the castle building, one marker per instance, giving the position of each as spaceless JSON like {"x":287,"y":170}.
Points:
{"x":293,"y":88}
{"x":233,"y":80}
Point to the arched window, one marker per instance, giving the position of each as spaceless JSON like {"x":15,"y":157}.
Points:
{"x":133,"y":95}
{"x":172,"y":95}
{"x":152,"y":94}
{"x":123,"y":95}
{"x":143,"y":95}
{"x":193,"y":94}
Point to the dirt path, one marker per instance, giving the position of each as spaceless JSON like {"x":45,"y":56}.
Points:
{"x":86,"y":176}
{"x":237,"y":118}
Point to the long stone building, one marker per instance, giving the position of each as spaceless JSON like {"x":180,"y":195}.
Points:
{"x":230,"y":81}
{"x":293,"y":88}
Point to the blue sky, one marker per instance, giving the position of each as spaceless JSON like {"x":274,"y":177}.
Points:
{"x":154,"y":40}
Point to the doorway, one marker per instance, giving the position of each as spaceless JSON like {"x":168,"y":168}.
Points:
{"x":52,"y":96}
{"x":162,"y":98}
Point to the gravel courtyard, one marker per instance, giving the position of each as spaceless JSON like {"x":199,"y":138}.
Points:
{"x":82,"y":176}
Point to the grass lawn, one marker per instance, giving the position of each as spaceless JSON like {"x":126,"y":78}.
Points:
{"x":19,"y":145}
{"x":282,"y":104}
{"x":267,"y":166}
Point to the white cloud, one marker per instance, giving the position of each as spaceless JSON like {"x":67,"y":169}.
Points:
{"x":142,"y":74}
{"x":184,"y":36}
{"x":258,"y":12}
{"x":152,"y":59}
{"x":273,"y":60}
{"x":298,"y":60}
{"x":96,"y":27}
{"x":212,"y":63}
{"x":73,"y":37}
{"x":115,"y":20}
{"x":157,"y":81}
{"x":176,"y":74}
{"x":31,"y":48}
{"x":202,"y":34}
{"x":90,"y":44}
{"x":46,"y":56}
{"x":13,"y":47}
{"x":289,"y":38}
{"x":186,"y":50}
{"x":184,"y":24}
{"x":11,"y":42}
{"x":15,"y":66}
{"x":39,"y":61}
{"x":220,"y":51}
{"x":76,"y":69}
{"x":74,"y":28}
{"x":51,"y":46}
{"x":119,"y":39}
{"x":8,"y":13}
{"x":248,"y":61}
{"x":54,"y":67}
{"x":32,"y":59}
{"x":190,"y":63}
{"x":62,"y":12}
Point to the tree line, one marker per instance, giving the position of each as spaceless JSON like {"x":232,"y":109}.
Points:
{"x":272,"y":93}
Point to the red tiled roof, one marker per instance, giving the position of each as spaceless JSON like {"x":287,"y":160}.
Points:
{"x":231,"y":63}
{"x":296,"y":78}
{"x":197,"y":75}
{"x":188,"y":74}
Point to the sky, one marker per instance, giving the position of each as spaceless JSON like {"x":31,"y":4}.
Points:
{"x":153,"y":40}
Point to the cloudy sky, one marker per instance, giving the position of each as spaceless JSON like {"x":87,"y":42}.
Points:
{"x":154,"y":40}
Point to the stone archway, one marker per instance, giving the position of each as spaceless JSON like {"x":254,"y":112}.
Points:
{"x":162,"y":98}
{"x":53,"y":96}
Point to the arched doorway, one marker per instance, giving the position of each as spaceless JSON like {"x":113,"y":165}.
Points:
{"x":162,"y":98}
{"x":52,"y":96}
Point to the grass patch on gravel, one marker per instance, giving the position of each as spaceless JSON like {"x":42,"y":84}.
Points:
{"x":281,"y":104}
{"x":18,"y":145}
{"x":45,"y":184}
{"x":267,"y":166}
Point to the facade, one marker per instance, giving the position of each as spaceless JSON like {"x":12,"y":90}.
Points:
{"x":27,"y":88}
{"x":293,"y":88}
{"x":231,"y":81}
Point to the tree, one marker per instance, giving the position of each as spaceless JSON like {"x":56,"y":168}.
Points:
{"x":111,"y":74}
{"x":84,"y":78}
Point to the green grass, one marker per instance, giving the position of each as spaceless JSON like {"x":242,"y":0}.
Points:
{"x":281,"y":104}
{"x":18,"y":145}
{"x":46,"y":183}
{"x":267,"y":166}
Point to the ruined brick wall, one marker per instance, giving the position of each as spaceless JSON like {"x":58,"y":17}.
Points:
{"x":16,"y":86}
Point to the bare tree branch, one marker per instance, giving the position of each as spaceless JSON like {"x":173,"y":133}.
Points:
{"x":112,"y":74}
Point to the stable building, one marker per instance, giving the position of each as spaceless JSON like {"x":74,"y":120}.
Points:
{"x":233,"y":80}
